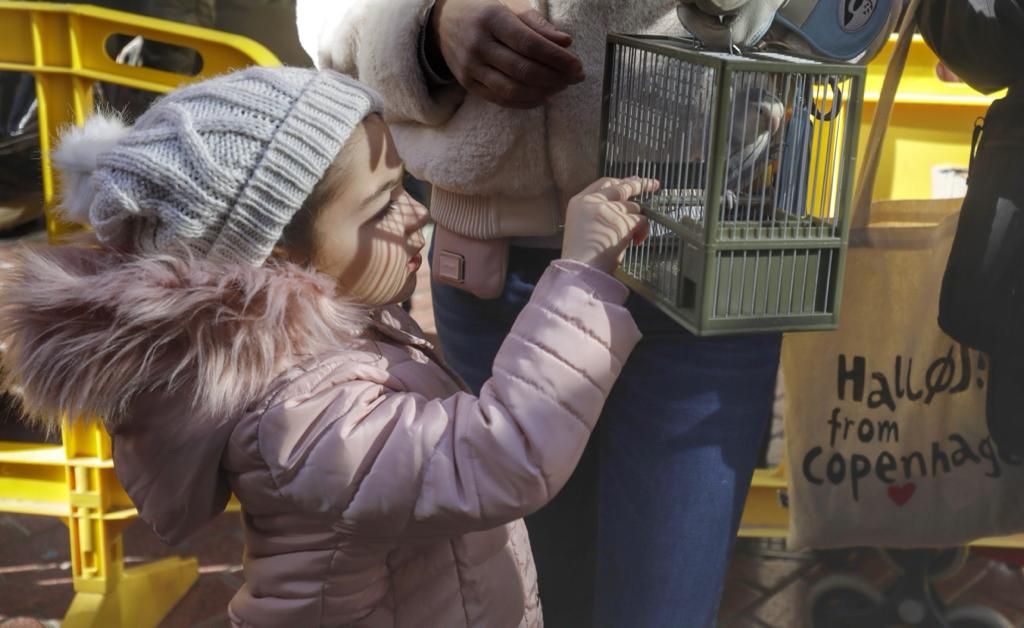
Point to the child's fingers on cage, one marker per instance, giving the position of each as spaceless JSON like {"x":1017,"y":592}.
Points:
{"x":632,"y":222}
{"x":637,"y":237}
{"x":631,"y":227}
{"x":642,"y":231}
{"x":618,"y":219}
{"x":630,"y":207}
{"x":626,"y":189}
{"x":592,"y":192}
{"x":600,"y":184}
{"x":621,"y":207}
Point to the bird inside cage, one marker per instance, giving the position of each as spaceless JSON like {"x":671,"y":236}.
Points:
{"x":754,"y":144}
{"x":662,"y":125}
{"x":772,"y":147}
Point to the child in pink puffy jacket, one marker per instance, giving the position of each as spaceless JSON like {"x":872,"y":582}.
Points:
{"x":231,"y":321}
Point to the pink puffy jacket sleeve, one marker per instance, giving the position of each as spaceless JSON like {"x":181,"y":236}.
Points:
{"x":507,"y":453}
{"x":393,"y":462}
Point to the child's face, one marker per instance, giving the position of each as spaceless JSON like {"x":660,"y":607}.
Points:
{"x":368,"y":236}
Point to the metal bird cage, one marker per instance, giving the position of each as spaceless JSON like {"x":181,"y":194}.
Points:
{"x":755,"y":155}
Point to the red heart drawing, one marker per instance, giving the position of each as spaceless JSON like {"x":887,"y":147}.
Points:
{"x":902,"y":493}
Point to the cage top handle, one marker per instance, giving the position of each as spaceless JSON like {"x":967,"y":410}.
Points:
{"x":863,"y":191}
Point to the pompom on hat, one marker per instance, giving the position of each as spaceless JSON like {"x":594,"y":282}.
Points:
{"x":220,"y":166}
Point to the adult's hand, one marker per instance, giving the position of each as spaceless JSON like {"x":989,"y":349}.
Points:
{"x":504,"y":50}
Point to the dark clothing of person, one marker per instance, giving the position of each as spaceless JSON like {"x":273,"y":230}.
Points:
{"x":982,"y":300}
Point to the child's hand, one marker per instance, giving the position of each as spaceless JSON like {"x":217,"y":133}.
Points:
{"x":601,"y":221}
{"x":503,"y":50}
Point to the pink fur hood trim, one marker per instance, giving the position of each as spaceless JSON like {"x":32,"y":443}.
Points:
{"x":88,"y":331}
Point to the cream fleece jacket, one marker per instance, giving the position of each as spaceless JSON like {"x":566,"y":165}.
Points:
{"x":497,"y":172}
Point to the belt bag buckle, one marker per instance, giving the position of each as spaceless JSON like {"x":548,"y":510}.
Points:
{"x":476,"y":266}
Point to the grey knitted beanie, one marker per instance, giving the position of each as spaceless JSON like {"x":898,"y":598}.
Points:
{"x":220,"y":166}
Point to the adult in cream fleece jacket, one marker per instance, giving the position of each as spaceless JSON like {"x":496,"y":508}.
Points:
{"x":496,"y":171}
{"x":681,"y":430}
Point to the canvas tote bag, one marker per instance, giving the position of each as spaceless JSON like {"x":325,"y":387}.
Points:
{"x":886,"y":437}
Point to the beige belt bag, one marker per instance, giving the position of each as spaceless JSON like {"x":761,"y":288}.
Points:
{"x":479,"y":265}
{"x":476,"y":266}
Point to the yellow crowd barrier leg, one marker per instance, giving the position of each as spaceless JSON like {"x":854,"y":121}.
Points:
{"x":64,"y":47}
{"x":76,"y":97}
{"x":106,"y":593}
{"x":142,"y":596}
{"x":765,"y":514}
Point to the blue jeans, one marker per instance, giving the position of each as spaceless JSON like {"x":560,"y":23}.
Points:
{"x":641,"y":534}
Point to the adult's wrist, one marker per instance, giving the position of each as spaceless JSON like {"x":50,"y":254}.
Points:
{"x":431,"y":57}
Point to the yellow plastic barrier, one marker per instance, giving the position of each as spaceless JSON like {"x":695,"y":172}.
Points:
{"x":64,"y":48}
{"x":931,"y":125}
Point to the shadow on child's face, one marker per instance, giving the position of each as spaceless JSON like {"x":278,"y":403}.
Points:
{"x":368,"y":236}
